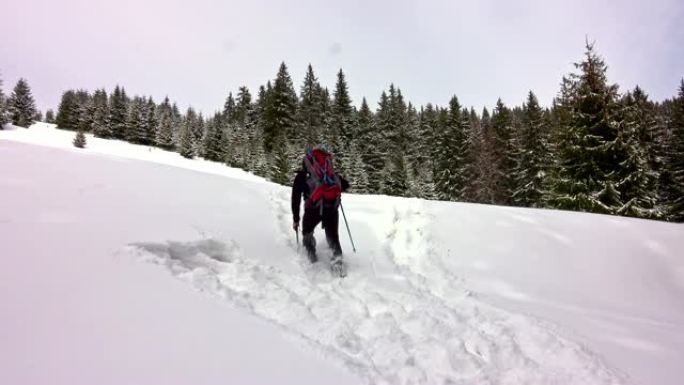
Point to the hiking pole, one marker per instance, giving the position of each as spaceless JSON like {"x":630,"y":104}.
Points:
{"x":347,"y":224}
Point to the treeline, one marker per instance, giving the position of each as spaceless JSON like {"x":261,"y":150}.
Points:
{"x":594,"y":149}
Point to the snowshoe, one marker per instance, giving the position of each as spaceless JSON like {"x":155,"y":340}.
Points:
{"x":337,"y":267}
{"x":313,"y":258}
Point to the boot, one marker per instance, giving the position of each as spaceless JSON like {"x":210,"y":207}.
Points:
{"x":310,"y":244}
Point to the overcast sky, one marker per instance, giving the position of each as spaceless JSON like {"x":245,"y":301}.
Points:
{"x":197,"y":51}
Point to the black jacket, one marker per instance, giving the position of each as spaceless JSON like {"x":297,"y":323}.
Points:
{"x":300,"y":187}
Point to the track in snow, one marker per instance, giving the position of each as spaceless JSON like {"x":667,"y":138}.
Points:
{"x":398,"y":318}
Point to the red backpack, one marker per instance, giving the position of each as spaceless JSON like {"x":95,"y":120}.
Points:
{"x":324,"y":184}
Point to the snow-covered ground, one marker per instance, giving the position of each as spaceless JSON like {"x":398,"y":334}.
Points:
{"x":437,"y":292}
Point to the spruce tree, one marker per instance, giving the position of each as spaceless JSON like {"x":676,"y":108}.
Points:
{"x":79,"y":140}
{"x":674,"y":160}
{"x":280,"y":169}
{"x":310,"y":113}
{"x":50,"y":116}
{"x":136,"y":131}
{"x":118,"y":113}
{"x":424,"y":164}
{"x":504,"y":154}
{"x":4,"y":111}
{"x":531,"y":169}
{"x":100,"y":125}
{"x":244,"y":115}
{"x":85,"y":110}
{"x":229,"y":109}
{"x":164,"y":133}
{"x":451,"y":147}
{"x":21,"y":105}
{"x":635,"y":179}
{"x":588,"y":154}
{"x":214,"y":142}
{"x":370,"y":148}
{"x":280,"y":111}
{"x":342,"y":123}
{"x":186,"y":145}
{"x":68,"y":111}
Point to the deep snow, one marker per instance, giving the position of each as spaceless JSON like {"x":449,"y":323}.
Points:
{"x":437,"y":292}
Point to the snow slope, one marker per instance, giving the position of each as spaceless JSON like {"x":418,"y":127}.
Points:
{"x":438,"y":292}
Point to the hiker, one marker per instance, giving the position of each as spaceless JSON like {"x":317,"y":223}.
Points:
{"x":322,"y":188}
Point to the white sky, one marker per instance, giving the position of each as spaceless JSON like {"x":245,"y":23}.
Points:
{"x":197,"y":51}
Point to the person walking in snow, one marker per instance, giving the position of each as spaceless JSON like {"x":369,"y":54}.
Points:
{"x":322,"y":187}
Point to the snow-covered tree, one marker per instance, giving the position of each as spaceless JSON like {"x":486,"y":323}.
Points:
{"x":100,"y":115}
{"x":4,"y":108}
{"x":118,"y":112}
{"x":68,"y":111}
{"x":310,"y":112}
{"x":214,"y":141}
{"x":531,"y":169}
{"x":280,"y":111}
{"x":21,"y":105}
{"x":79,"y":140}
{"x":136,"y":121}
{"x":635,"y":180}
{"x":503,"y":154}
{"x":186,"y":145}
{"x":164,"y":133}
{"x":342,"y":126}
{"x":588,"y":154}
{"x":229,"y":109}
{"x":50,"y":116}
{"x":674,"y":161}
{"x":280,"y":170}
{"x":451,"y":149}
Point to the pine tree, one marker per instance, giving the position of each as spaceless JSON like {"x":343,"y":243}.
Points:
{"x":229,"y":109}
{"x":451,"y":150}
{"x":503,"y":154}
{"x":118,"y":113}
{"x":80,"y":140}
{"x":424,"y":164}
{"x":310,"y":111}
{"x":244,"y":110}
{"x":531,"y":170}
{"x":342,"y":127}
{"x":68,"y":112}
{"x":136,"y":131}
{"x":280,"y":171}
{"x":85,"y":110}
{"x":588,"y":154}
{"x":635,"y":179}
{"x":4,"y":110}
{"x":100,"y":124}
{"x":186,"y":145}
{"x":214,"y":142}
{"x":674,"y":160}
{"x":479,"y":187}
{"x":164,"y":133}
{"x":21,"y":105}
{"x":280,"y":111}
{"x":50,"y":116}
{"x":369,"y":148}
{"x":150,"y":120}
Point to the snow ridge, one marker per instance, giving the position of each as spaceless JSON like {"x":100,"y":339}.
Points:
{"x":408,"y":321}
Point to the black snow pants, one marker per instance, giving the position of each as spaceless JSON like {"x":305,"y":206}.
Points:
{"x":330,"y":218}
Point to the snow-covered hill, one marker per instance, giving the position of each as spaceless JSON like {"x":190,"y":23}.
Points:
{"x":92,"y":242}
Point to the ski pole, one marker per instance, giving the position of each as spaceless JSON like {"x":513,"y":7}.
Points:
{"x":347,"y":224}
